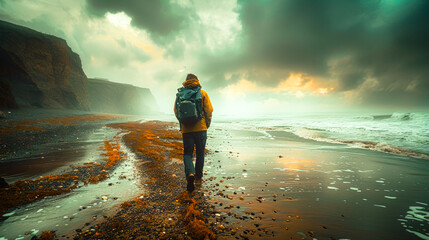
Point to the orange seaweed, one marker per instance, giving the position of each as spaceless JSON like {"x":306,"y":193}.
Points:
{"x":72,"y":120}
{"x":194,"y":219}
{"x":112,"y":152}
{"x":47,"y":235}
{"x":155,"y":139}
{"x":15,"y":128}
{"x":141,"y":203}
{"x":38,"y":125}
{"x":157,"y":142}
{"x":96,"y":179}
{"x":22,"y":192}
{"x":125,"y":204}
{"x":26,"y":191}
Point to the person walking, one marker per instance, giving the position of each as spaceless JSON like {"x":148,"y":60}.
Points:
{"x":194,"y":110}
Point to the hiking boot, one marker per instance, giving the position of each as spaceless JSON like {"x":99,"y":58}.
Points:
{"x":190,"y":187}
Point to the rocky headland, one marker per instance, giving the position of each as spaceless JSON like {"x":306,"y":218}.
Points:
{"x":38,"y":70}
{"x":118,"y":98}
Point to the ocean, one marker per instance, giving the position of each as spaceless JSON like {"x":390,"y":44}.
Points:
{"x":398,"y":133}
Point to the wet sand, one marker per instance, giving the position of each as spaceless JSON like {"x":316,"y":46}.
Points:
{"x":85,"y":205}
{"x":55,"y":157}
{"x":49,"y":165}
{"x":266,"y":184}
{"x":297,"y":188}
{"x":37,"y":142}
{"x":274,"y":185}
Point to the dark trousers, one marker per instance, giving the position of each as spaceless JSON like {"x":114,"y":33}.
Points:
{"x":197,"y":139}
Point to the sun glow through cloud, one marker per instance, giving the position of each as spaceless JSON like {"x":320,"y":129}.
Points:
{"x":295,"y":83}
{"x":119,"y":19}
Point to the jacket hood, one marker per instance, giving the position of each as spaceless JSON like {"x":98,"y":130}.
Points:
{"x":191,"y":83}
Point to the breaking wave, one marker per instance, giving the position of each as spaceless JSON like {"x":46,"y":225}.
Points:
{"x":321,"y":135}
{"x":384,"y":147}
{"x":393,"y":116}
{"x":397,"y":133}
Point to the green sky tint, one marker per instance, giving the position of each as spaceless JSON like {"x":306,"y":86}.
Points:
{"x":252,"y":57}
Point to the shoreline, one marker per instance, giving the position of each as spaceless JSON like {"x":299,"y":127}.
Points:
{"x":65,"y":172}
{"x":318,"y":189}
{"x":27,"y":190}
{"x":262,"y":188}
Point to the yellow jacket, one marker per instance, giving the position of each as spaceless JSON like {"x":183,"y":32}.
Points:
{"x":207,"y":110}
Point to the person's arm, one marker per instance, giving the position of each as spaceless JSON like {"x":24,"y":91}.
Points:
{"x":175,"y":113}
{"x":175,"y":110}
{"x":208,"y":110}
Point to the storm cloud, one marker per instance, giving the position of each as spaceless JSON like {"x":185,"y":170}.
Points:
{"x":378,"y":49}
{"x":351,"y":40}
{"x":366,"y":53}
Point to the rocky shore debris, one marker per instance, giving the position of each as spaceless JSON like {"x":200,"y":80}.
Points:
{"x":166,"y":210}
{"x":3,"y":183}
{"x":46,"y":235}
{"x":218,"y":208}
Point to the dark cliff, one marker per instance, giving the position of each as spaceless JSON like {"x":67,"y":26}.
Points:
{"x":111,"y":97}
{"x":39,"y":70}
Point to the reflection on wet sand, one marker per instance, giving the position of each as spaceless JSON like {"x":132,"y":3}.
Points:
{"x":295,"y":164}
{"x":283,"y":188}
{"x":46,"y":208}
{"x":264,"y":186}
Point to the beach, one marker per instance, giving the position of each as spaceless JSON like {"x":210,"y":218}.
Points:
{"x":310,"y":189}
{"x":316,"y":113}
{"x":261,"y":182}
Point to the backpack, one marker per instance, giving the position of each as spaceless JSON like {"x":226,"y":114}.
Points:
{"x":189,"y":102}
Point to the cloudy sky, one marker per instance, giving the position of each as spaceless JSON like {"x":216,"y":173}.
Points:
{"x":250,"y":56}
